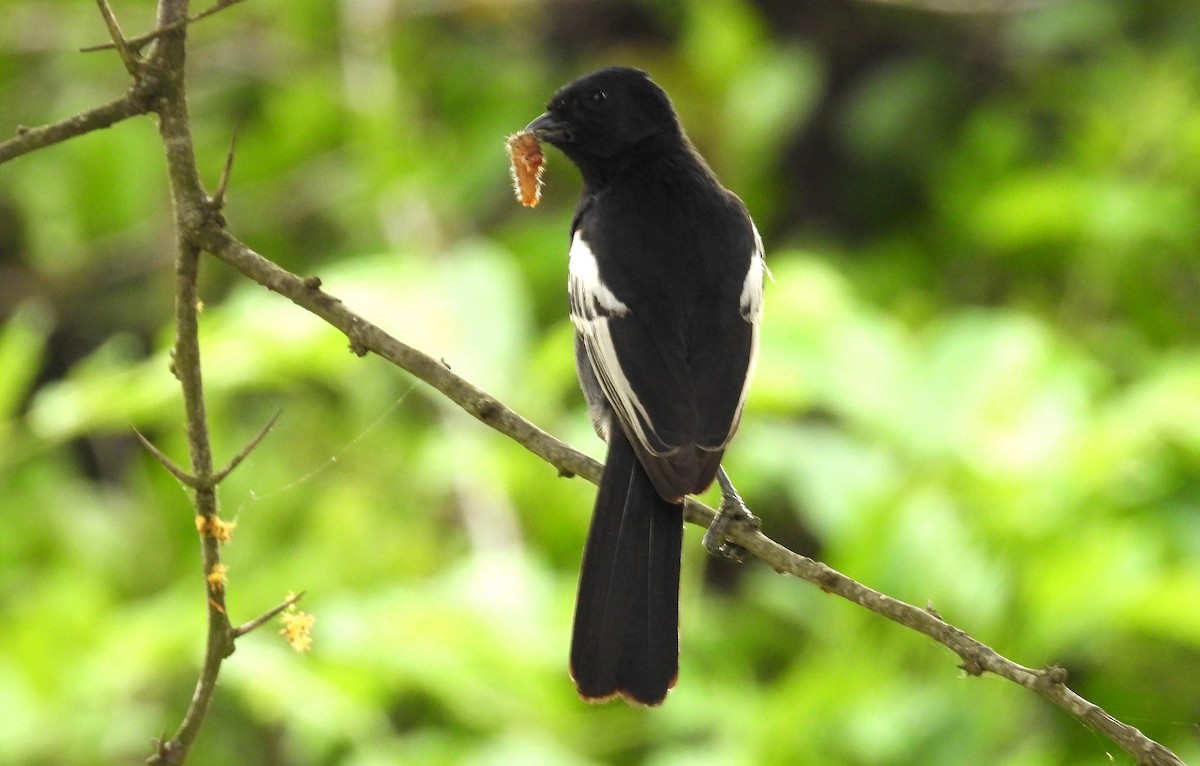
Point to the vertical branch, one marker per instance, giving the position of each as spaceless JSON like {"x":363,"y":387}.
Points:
{"x":190,"y":209}
{"x":219,"y":643}
{"x":159,"y":86}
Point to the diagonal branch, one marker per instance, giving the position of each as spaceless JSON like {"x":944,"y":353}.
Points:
{"x":306,"y":293}
{"x":977,"y":657}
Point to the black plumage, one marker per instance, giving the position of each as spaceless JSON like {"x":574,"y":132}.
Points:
{"x":665,"y":292}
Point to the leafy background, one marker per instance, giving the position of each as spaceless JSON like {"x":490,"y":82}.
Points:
{"x":979,"y":384}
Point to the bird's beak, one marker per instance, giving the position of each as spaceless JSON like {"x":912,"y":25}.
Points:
{"x":547,"y":127}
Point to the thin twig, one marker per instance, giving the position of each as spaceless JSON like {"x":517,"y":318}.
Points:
{"x":166,"y":462}
{"x":266,"y":616}
{"x":306,"y":293}
{"x":135,"y":101}
{"x":137,"y":43}
{"x":220,"y":475}
{"x":128,"y":57}
{"x":977,"y":657}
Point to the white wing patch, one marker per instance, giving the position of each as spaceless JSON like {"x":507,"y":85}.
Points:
{"x":592,"y":306}
{"x":592,"y":296}
{"x":750,"y":302}
{"x":750,"y":306}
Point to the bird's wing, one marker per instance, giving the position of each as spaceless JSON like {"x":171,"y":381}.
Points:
{"x":723,"y":356}
{"x":640,"y":372}
{"x":676,"y":384}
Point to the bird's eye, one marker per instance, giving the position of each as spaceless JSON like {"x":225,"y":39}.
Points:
{"x":597,"y":97}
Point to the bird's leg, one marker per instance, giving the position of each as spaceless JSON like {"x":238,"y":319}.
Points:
{"x":733,"y":513}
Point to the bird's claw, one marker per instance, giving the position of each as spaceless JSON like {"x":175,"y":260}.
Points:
{"x":732,"y":515}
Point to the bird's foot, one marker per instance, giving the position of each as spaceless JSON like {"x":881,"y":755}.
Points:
{"x":732,"y":515}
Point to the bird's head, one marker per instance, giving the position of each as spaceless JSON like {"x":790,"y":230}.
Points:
{"x":606,"y":117}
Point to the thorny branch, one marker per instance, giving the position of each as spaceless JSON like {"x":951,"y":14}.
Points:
{"x":159,"y":87}
{"x":175,"y":129}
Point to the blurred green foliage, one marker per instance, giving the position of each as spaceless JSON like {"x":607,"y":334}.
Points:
{"x":979,"y":385}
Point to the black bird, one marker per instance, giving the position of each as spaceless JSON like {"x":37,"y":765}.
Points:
{"x":665,"y":287}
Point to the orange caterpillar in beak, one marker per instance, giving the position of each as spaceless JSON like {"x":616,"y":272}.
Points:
{"x":527,"y":163}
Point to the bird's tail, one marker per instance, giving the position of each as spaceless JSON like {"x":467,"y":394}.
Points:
{"x":626,"y":635}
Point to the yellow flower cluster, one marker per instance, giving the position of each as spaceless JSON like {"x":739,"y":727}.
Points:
{"x":297,"y":626}
{"x":218,"y":577}
{"x":216,"y":528}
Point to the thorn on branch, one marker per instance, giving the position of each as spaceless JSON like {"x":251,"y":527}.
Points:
{"x":266,"y":616}
{"x":217,"y":200}
{"x":128,"y":57}
{"x":245,"y":452}
{"x":166,"y":462}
